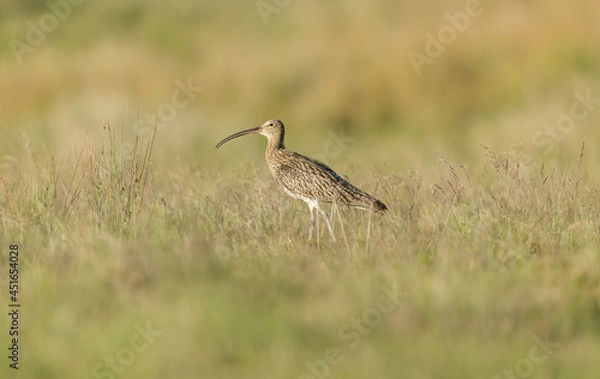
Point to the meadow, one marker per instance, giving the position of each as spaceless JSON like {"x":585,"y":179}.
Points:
{"x":144,"y":252}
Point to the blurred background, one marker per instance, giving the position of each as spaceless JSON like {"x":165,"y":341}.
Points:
{"x":380,"y":90}
{"x":496,"y":77}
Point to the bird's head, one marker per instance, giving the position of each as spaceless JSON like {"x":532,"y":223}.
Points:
{"x":272,"y":129}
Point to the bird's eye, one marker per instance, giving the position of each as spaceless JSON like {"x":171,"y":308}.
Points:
{"x":270,"y":124}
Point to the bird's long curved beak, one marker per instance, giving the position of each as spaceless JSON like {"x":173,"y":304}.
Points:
{"x":239,"y":134}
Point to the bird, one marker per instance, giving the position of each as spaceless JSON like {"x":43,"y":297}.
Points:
{"x":305,"y":178}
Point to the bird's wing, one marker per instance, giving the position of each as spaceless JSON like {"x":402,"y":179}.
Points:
{"x":309,"y":178}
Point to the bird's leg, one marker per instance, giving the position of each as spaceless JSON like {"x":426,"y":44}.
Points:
{"x":312,"y":221}
{"x":322,"y":212}
{"x":343,"y":231}
{"x":369,"y":229}
{"x":333,"y":213}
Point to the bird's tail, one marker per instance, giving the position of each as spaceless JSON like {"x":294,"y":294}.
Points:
{"x":367,"y":202}
{"x":378,"y":206}
{"x":351,"y":195}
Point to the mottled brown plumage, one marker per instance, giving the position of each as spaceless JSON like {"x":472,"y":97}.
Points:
{"x":305,"y":178}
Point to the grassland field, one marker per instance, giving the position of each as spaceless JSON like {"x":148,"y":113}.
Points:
{"x":143,"y":252}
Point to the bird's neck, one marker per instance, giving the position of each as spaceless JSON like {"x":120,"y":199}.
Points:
{"x":275,"y":143}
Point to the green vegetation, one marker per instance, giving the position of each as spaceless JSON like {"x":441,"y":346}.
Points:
{"x":146,"y":253}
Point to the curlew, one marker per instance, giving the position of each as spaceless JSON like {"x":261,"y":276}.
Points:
{"x":305,"y":178}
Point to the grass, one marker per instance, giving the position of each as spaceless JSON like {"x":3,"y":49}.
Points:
{"x":482,"y":264}
{"x":145,"y":252}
